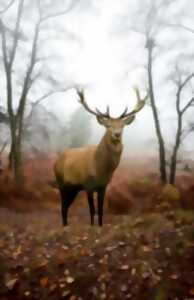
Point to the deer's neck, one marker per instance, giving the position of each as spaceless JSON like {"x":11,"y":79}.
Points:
{"x":107,"y":157}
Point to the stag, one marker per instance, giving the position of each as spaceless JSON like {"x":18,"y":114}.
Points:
{"x":91,"y":168}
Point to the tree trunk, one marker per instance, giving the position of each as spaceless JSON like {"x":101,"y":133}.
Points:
{"x":15,"y":157}
{"x":11,"y":159}
{"x":162,"y":152}
{"x":173,"y":165}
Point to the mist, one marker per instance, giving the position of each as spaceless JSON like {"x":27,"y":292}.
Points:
{"x":96,"y":149}
{"x":100,"y":46}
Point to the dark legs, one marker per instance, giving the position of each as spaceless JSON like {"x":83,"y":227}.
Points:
{"x":101,"y":194}
{"x":91,"y":206}
{"x":67,"y":197}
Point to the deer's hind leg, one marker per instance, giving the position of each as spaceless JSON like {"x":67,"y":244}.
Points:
{"x":91,"y":206}
{"x":68,"y":195}
{"x":101,"y":195}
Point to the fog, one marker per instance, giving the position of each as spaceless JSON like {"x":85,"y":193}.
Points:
{"x":100,"y":46}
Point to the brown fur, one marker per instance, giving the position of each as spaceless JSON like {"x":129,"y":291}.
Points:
{"x":91,"y":168}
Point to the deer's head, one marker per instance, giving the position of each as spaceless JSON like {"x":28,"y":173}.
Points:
{"x":114,"y":126}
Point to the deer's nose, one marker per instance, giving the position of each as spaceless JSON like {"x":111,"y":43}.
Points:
{"x":117,"y":135}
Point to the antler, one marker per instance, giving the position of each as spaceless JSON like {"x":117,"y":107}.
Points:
{"x":140,"y":104}
{"x":96,"y":112}
{"x":106,"y":114}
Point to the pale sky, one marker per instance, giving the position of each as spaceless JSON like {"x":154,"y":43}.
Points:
{"x":95,"y":48}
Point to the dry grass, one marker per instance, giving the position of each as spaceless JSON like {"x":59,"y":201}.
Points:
{"x":134,"y":189}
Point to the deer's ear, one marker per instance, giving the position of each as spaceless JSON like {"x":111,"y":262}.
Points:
{"x":101,"y":120}
{"x":129,"y":120}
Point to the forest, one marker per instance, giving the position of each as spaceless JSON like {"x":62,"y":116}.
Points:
{"x":118,"y":76}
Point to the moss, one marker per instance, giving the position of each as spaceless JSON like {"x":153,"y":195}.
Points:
{"x":170,"y":194}
{"x":185,"y":215}
{"x":146,"y":183}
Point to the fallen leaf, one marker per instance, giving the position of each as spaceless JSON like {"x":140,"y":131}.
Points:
{"x":65,"y":247}
{"x":191,"y":292}
{"x":122,"y":244}
{"x":43,"y":263}
{"x":44,"y":281}
{"x":174,"y":276}
{"x":66,"y":272}
{"x":10,"y":284}
{"x":123,"y":288}
{"x":110,"y":249}
{"x":17,"y":252}
{"x":146,"y":249}
{"x":168,"y":251}
{"x":69,"y":279}
{"x":145,"y":275}
{"x":95,"y":291}
{"x":124,"y":267}
{"x":133,"y":271}
{"x":53,"y":287}
{"x":66,"y":293}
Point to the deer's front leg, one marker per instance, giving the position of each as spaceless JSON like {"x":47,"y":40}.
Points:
{"x":101,"y":194}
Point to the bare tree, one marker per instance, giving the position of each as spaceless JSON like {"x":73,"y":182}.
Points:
{"x":162,"y":152}
{"x":1,"y":153}
{"x":16,"y":116}
{"x":181,"y":83}
{"x":152,"y":24}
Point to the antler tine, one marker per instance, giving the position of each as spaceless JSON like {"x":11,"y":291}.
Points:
{"x":97,"y":113}
{"x":124,"y":113}
{"x":108,"y":111}
{"x":84,"y":103}
{"x":81,"y":95}
{"x":140,"y":104}
{"x":138,"y":95}
{"x":106,"y":114}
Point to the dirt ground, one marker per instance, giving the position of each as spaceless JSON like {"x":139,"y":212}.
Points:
{"x":150,"y":256}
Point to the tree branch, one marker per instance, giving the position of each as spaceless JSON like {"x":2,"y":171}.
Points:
{"x":44,"y":97}
{"x":188,"y":78}
{"x":36,"y":102}
{"x":4,"y":45}
{"x":16,"y":33}
{"x":189,"y":29}
{"x":45,"y":18}
{"x":189,"y":104}
{"x":27,"y":82}
{"x":180,"y":86}
{"x":7,"y":7}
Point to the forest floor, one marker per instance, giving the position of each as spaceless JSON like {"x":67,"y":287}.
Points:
{"x":150,"y":256}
